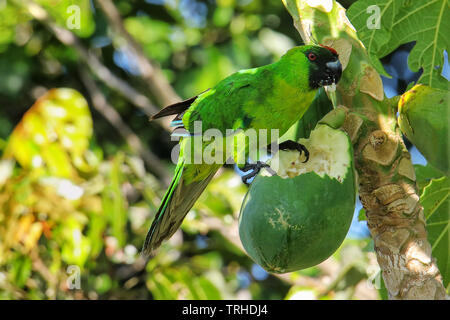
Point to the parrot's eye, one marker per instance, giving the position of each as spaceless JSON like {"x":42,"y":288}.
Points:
{"x":312,"y":56}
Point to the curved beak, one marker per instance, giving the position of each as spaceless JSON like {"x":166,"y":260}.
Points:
{"x":335,"y":68}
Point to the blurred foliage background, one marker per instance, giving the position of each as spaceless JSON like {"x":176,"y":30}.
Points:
{"x":83,"y":171}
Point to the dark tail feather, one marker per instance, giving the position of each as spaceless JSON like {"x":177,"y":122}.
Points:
{"x":176,"y":108}
{"x":148,"y":240}
{"x":178,"y":200}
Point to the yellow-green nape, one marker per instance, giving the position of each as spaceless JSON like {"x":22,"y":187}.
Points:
{"x":301,"y":50}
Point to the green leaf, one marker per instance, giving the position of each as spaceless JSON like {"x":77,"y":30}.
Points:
{"x":362,"y":15}
{"x":102,"y":283}
{"x":382,"y":291}
{"x":114,"y":202}
{"x":11,"y":19}
{"x":436,"y":203}
{"x":75,"y":15}
{"x":362,"y":215}
{"x":75,"y":245}
{"x":424,"y":175}
{"x":207,"y":289}
{"x":426,"y":22}
{"x":20,"y":270}
{"x":53,"y":134}
{"x":161,"y":287}
{"x":153,"y":35}
{"x":97,"y":225}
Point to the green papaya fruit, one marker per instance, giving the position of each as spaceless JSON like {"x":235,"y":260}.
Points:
{"x":299,"y":217}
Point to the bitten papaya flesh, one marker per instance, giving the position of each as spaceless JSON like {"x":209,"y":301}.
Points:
{"x":299,"y":217}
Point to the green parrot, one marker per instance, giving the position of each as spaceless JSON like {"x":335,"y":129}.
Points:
{"x":274,"y":96}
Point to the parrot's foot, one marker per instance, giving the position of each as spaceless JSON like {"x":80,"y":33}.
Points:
{"x":255,"y":167}
{"x":292,"y":145}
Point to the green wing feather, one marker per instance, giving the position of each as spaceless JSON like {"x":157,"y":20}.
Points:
{"x":189,"y":182}
{"x":230,"y":101}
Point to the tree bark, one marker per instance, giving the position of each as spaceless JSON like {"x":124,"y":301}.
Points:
{"x":387,"y":186}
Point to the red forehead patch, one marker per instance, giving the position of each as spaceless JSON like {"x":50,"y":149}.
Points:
{"x":330,"y":49}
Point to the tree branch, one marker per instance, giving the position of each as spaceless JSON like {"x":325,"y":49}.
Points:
{"x":102,"y":72}
{"x":103,"y":107}
{"x":387,"y":185}
{"x":155,"y":79}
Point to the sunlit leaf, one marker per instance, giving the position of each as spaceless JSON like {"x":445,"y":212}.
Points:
{"x":436,"y":203}
{"x":75,"y":15}
{"x":161,"y":287}
{"x":75,"y":248}
{"x":424,"y":175}
{"x":114,"y":202}
{"x":11,"y":18}
{"x":53,"y":134}
{"x":374,"y":32}
{"x":208,"y":289}
{"x":20,"y":270}
{"x":153,"y":35}
{"x":425,"y":22}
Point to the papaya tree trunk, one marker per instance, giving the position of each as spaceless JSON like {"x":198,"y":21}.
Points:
{"x":386,"y":176}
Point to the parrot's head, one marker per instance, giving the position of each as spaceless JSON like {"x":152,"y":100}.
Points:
{"x":323,"y":64}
